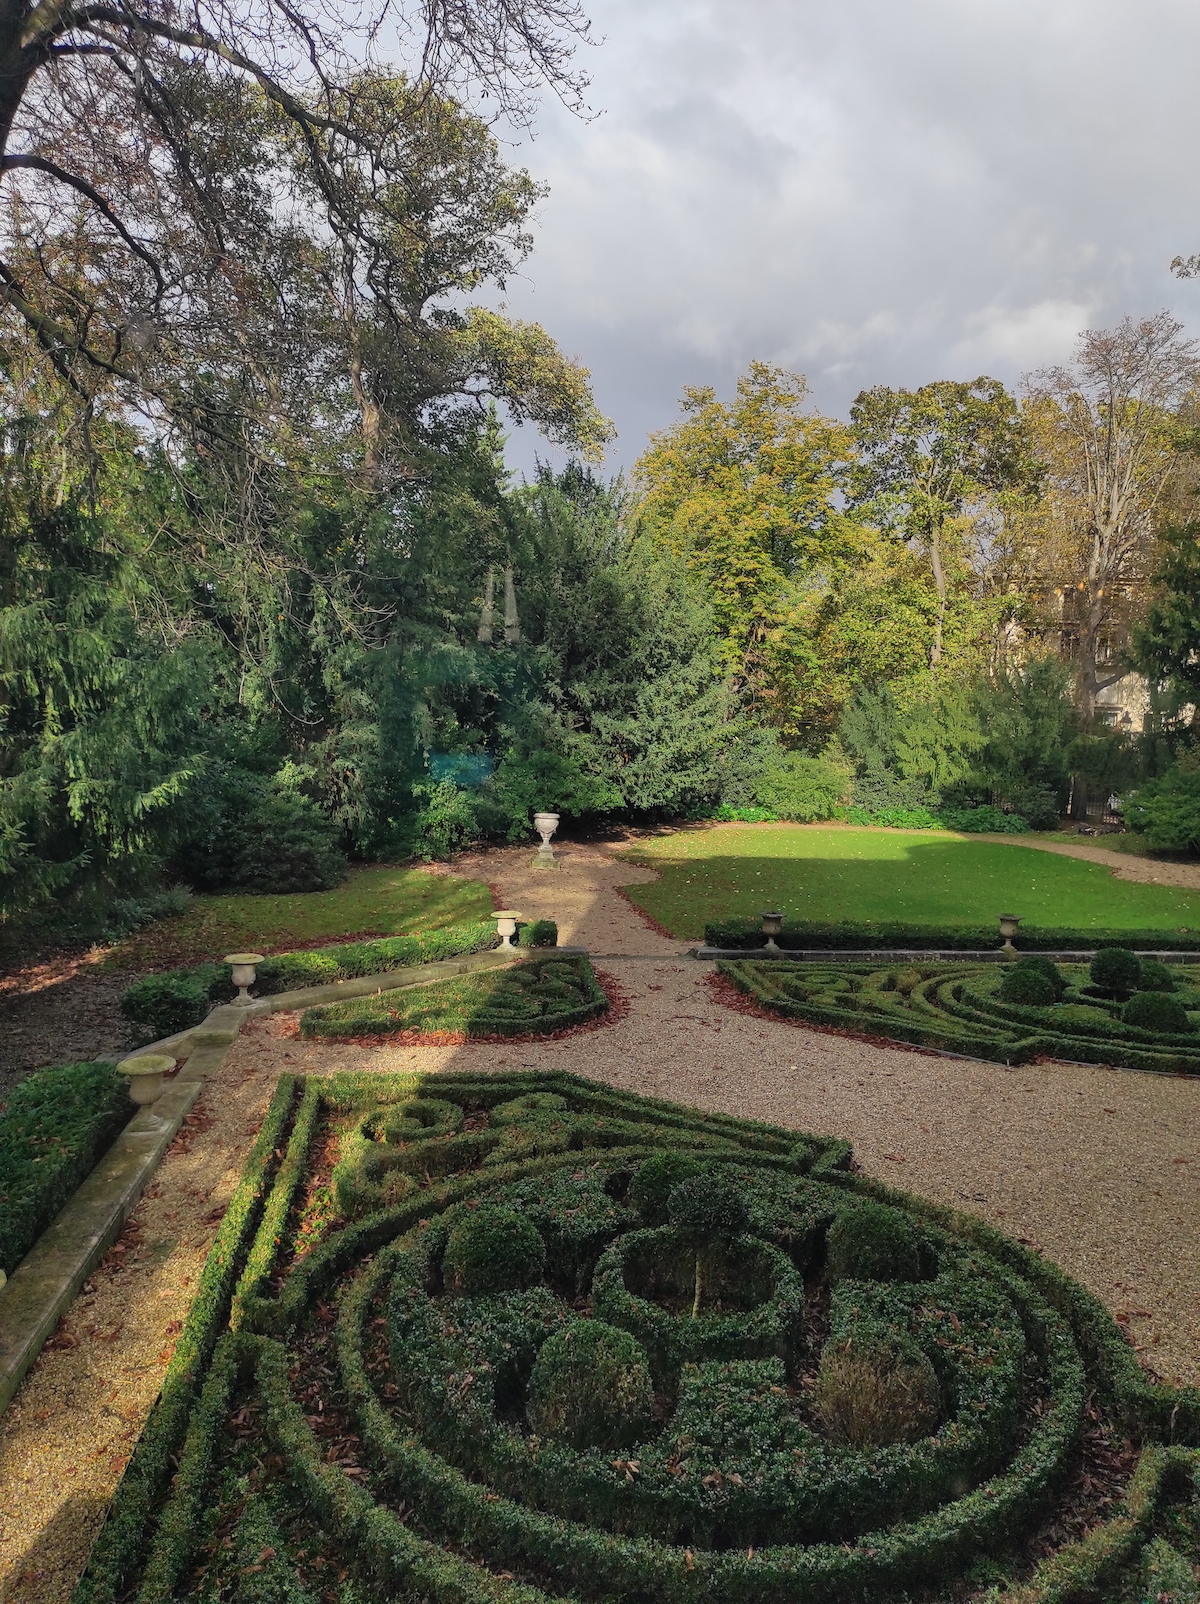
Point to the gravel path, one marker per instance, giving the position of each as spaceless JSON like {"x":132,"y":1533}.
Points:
{"x":1099,"y":1169}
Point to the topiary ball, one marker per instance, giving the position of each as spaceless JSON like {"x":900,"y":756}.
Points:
{"x":870,"y":1394}
{"x":872,"y":1243}
{"x":708,"y":1207}
{"x":1155,"y":976}
{"x":1039,"y":964}
{"x":590,"y":1386}
{"x":1029,"y":988}
{"x":1157,"y":1010}
{"x":654,"y":1182}
{"x":493,"y":1250}
{"x":1116,"y":971}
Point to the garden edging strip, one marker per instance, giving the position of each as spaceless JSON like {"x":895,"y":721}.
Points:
{"x":49,"y":1277}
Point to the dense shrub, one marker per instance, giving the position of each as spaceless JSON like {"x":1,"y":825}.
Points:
{"x":1157,"y":1010}
{"x":53,"y":1128}
{"x":245,"y":832}
{"x":493,"y":1250}
{"x":983,"y":821}
{"x":1027,"y":986}
{"x":872,"y":1243}
{"x":1155,"y":976}
{"x":656,"y":1179}
{"x":1167,"y":811}
{"x":538,"y":933}
{"x":163,"y":1005}
{"x":1038,"y":806}
{"x":870,"y":1393}
{"x":803,"y":789}
{"x":590,"y":1386}
{"x":1116,"y":971}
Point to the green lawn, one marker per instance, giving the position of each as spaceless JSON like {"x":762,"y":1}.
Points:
{"x":837,"y":873}
{"x":371,"y":901}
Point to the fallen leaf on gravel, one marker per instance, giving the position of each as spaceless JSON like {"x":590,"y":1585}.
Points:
{"x":896,"y":1158}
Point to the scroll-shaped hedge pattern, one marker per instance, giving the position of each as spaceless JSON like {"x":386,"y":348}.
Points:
{"x":532,"y":1340}
{"x":539,"y":996}
{"x":958,"y":1007}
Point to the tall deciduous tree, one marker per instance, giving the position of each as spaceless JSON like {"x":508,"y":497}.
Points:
{"x":1110,"y":430}
{"x":927,"y":455}
{"x":749,"y":494}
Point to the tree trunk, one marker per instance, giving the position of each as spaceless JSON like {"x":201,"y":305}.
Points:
{"x":699,"y":1298}
{"x":939,"y":580}
{"x":370,"y":415}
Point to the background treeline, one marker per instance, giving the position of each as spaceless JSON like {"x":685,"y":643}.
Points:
{"x":270,"y":601}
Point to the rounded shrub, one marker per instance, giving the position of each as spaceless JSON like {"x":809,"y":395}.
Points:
{"x":538,"y":933}
{"x":590,"y":1386}
{"x":1116,"y":971}
{"x":1027,"y":987}
{"x":708,"y":1207}
{"x":656,"y":1179}
{"x":493,"y":1250}
{"x":872,"y":1242}
{"x":871,"y":1393}
{"x":1037,"y":963}
{"x":162,"y":1005}
{"x":1157,"y":1010}
{"x":1155,"y":976}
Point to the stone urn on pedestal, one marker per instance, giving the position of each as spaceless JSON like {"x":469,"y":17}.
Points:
{"x":145,"y":1076}
{"x":772,"y":926}
{"x":506,"y":925}
{"x":243,"y":965}
{"x":1008,"y":929}
{"x":545,"y":824}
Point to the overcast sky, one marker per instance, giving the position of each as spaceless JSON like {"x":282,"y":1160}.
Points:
{"x":869,"y":191}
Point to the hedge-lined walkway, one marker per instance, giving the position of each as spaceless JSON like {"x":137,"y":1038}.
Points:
{"x":1099,"y":1169}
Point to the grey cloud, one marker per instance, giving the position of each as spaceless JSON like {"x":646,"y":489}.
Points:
{"x":879,"y":191}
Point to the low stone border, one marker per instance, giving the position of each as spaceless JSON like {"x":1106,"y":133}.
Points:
{"x":49,"y":1277}
{"x":888,"y":955}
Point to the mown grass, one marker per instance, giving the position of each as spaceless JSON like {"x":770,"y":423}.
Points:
{"x":839,"y":873}
{"x":376,"y":900}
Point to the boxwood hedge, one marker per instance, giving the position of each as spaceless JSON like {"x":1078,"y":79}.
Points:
{"x":540,"y":995}
{"x":344,"y":1420}
{"x":963,"y":1008}
{"x":53,"y":1127}
{"x":877,"y":936}
{"x":161,"y":1005}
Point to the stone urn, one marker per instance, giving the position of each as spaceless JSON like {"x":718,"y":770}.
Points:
{"x":545,"y":824}
{"x":772,"y":926}
{"x":145,"y":1075}
{"x":506,"y":925}
{"x":1008,"y":929}
{"x":243,"y":966}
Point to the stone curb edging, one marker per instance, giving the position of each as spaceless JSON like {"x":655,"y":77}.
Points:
{"x":887,"y":955}
{"x":49,"y":1277}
